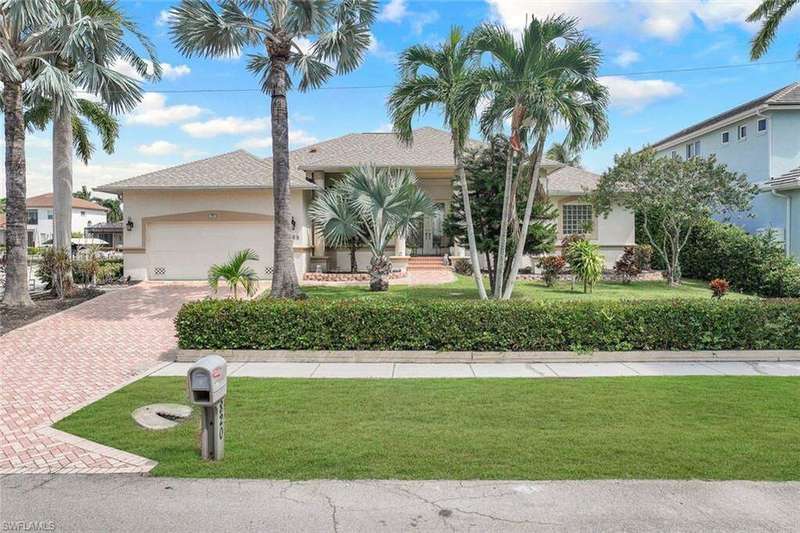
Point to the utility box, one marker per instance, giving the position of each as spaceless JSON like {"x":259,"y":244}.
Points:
{"x":207,"y":384}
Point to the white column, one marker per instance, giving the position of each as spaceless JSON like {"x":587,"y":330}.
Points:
{"x":400,"y":246}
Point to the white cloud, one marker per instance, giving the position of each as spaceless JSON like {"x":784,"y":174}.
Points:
{"x":168,"y":71}
{"x":627,"y":58}
{"x":377,"y":49}
{"x":397,"y":11}
{"x":225,"y":126}
{"x":394,"y":11}
{"x":153,"y":111}
{"x":157,"y":148}
{"x":664,"y":19}
{"x":164,"y":18}
{"x":386,"y":127}
{"x":634,"y":95}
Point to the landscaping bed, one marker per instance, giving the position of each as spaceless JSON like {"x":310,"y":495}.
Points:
{"x":46,"y":304}
{"x":374,"y":324}
{"x":599,"y":428}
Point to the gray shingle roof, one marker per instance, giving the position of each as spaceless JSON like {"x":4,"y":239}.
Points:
{"x":235,"y":170}
{"x":571,"y":180}
{"x":788,"y":95}
{"x":431,"y":148}
{"x":787,"y":180}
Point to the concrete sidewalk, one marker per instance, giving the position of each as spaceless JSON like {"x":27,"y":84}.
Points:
{"x":494,"y":370}
{"x":135,"y":503}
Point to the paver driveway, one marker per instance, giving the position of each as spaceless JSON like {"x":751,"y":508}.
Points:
{"x":52,"y":367}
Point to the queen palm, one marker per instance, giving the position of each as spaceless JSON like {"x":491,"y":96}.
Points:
{"x":443,"y":76}
{"x":37,"y":38}
{"x":373,"y":205}
{"x":342,"y":32}
{"x":520,"y":71}
{"x":770,"y":13}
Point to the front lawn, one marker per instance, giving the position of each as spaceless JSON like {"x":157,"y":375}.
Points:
{"x":609,"y":428}
{"x":464,"y":289}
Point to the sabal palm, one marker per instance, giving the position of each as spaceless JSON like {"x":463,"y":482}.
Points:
{"x":342,"y":31}
{"x":38,"y":37}
{"x":235,"y":273}
{"x":770,"y":13}
{"x":523,"y":82}
{"x":374,"y":205}
{"x":561,"y":153}
{"x":450,"y":86}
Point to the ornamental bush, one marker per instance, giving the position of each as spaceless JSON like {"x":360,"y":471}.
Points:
{"x":489,"y":326}
{"x":754,"y":264}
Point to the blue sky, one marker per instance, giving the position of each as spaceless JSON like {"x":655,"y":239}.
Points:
{"x":640,"y":40}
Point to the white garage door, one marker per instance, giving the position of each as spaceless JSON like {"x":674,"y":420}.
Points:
{"x":186,"y":250}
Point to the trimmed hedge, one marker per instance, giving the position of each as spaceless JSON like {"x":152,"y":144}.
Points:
{"x":481,"y":326}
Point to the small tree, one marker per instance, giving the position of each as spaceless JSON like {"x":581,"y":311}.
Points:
{"x":236,"y":273}
{"x":586,"y":263}
{"x":485,"y":173}
{"x":681,"y":193}
{"x":374,"y":205}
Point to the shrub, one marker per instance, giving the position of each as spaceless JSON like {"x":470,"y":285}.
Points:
{"x":718,"y":288}
{"x":371,"y":324}
{"x":644,"y":256}
{"x":552,"y":266}
{"x":627,"y":266}
{"x":586,"y":263}
{"x":53,"y":268}
{"x":462,"y":265}
{"x":753,"y":264}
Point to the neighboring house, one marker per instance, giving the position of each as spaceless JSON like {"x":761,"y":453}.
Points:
{"x":761,"y":139}
{"x":40,"y":217}
{"x":110,"y":232}
{"x":181,"y":220}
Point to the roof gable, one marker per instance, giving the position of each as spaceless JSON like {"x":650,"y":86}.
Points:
{"x":46,"y":200}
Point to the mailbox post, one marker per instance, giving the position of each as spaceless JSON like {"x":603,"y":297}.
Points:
{"x":207,"y":381}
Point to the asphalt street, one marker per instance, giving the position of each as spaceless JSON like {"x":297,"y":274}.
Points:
{"x":89,"y":503}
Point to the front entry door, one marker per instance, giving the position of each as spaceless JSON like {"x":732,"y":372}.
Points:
{"x":433,"y":232}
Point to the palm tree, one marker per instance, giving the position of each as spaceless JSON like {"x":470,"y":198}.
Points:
{"x":342,"y":31}
{"x":37,"y":38}
{"x":770,"y":13}
{"x":235,"y":273}
{"x":548,"y":72}
{"x":452,"y":87}
{"x":68,"y":128}
{"x":562,"y":153}
{"x":374,"y":205}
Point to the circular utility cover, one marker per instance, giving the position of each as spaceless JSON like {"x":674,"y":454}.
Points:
{"x":159,"y":416}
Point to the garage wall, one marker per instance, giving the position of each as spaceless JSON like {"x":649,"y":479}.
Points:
{"x":142,"y":205}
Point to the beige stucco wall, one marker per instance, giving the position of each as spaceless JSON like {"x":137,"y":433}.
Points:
{"x":141,"y":206}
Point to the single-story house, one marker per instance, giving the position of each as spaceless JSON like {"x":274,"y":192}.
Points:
{"x":181,"y":220}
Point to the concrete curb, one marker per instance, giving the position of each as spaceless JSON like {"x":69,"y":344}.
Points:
{"x":360,"y":356}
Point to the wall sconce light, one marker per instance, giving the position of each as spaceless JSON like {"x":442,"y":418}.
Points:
{"x":129,"y":224}
{"x":294,"y":224}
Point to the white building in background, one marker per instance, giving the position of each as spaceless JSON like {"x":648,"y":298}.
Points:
{"x":40,"y":217}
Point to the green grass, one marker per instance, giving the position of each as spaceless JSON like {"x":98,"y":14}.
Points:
{"x":644,"y":428}
{"x":464,"y":288}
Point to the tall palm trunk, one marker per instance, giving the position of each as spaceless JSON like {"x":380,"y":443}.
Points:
{"x":284,"y":278}
{"x":62,"y":188}
{"x":499,"y":281}
{"x":473,"y":249}
{"x":523,"y":235}
{"x":16,"y":290}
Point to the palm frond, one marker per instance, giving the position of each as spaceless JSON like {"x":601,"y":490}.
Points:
{"x":105,"y":124}
{"x":196,"y":28}
{"x":80,"y":140}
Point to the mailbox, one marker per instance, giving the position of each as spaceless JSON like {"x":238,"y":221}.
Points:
{"x":208,"y":380}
